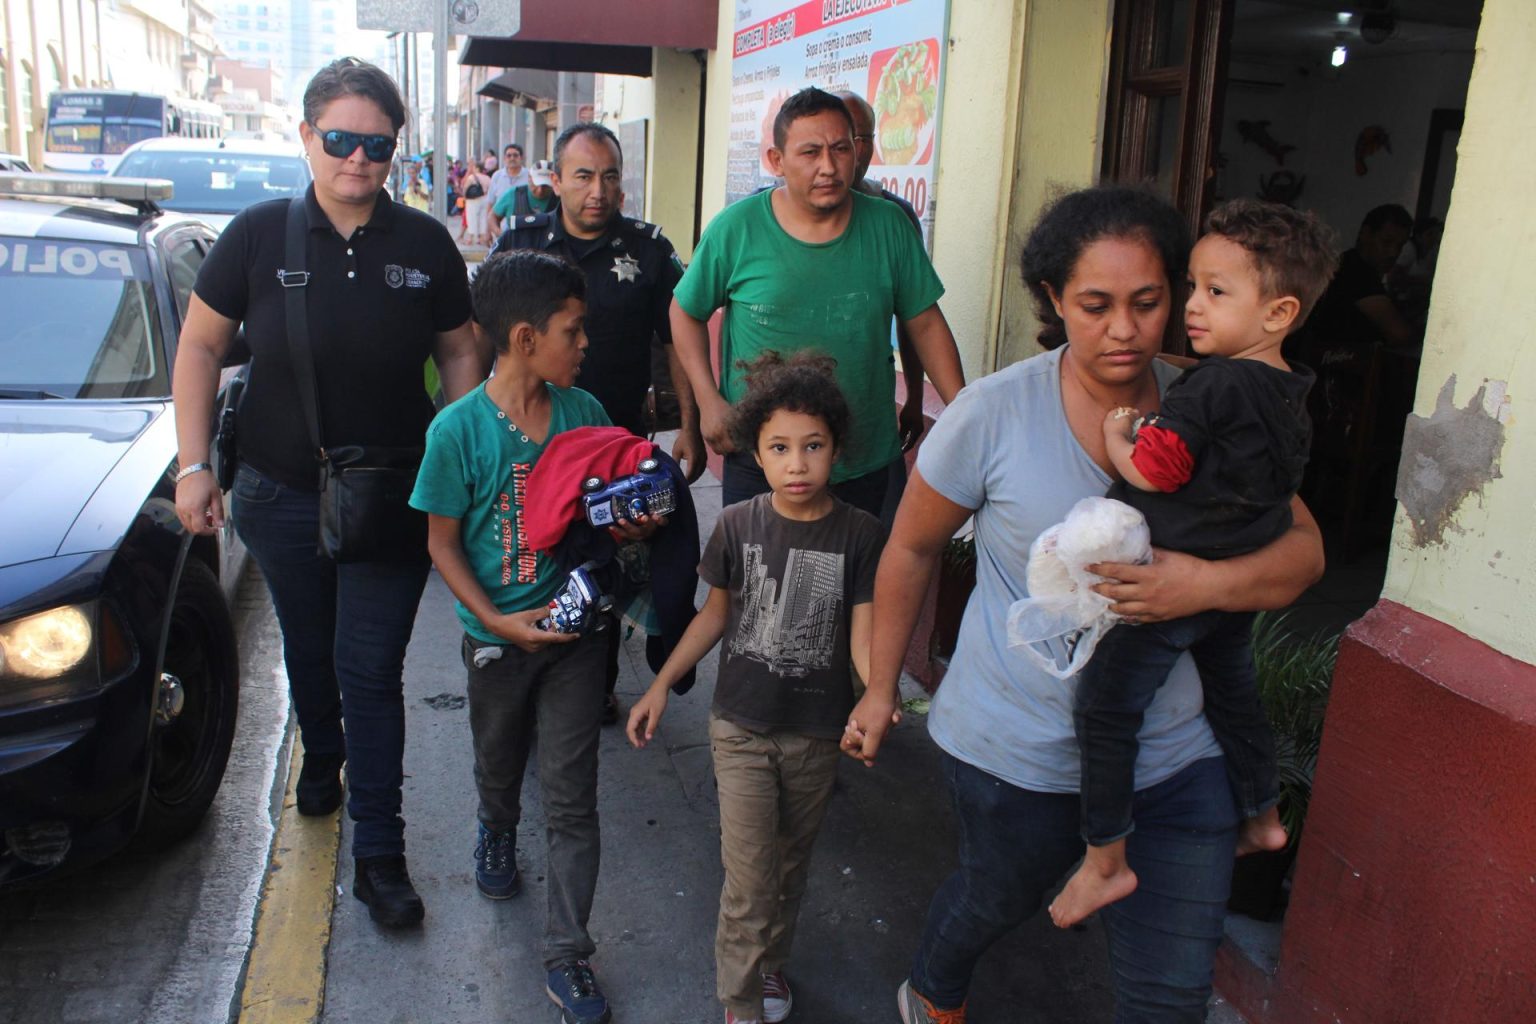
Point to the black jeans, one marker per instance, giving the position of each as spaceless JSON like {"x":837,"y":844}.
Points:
{"x":557,"y":691}
{"x":345,"y":629}
{"x":871,"y":492}
{"x":1119,"y":682}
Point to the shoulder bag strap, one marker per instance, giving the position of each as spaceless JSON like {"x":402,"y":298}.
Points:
{"x":295,"y":279}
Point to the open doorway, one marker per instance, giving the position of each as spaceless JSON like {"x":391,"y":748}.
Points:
{"x":1353,"y":113}
{"x":1342,"y":109}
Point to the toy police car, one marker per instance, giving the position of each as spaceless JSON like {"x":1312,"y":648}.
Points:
{"x":647,"y":491}
{"x":119,"y":676}
{"x":579,"y":605}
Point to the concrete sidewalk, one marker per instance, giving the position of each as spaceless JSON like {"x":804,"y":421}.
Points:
{"x":887,"y":842}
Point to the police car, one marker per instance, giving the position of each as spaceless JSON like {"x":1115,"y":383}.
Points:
{"x":119,"y":676}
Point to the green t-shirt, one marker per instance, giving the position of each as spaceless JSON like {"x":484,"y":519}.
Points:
{"x":837,"y":297}
{"x":476,"y":470}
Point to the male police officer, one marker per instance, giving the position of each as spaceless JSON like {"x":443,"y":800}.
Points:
{"x":631,"y":270}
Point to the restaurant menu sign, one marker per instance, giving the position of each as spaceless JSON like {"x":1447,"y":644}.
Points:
{"x":889,"y":51}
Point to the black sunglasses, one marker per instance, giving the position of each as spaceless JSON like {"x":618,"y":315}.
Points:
{"x":340,"y":144}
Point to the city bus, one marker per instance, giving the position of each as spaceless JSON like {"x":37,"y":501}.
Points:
{"x":88,"y":129}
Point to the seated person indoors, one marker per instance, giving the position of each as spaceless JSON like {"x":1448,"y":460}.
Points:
{"x":524,"y":682}
{"x":1356,"y":308}
{"x":1214,"y":472}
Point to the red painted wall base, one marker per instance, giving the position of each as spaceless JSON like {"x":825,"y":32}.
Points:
{"x":1415,"y":889}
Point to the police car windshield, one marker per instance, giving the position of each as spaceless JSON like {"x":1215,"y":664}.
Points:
{"x":80,"y":321}
{"x":212,"y":181}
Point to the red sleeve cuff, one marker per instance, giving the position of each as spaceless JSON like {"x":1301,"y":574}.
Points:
{"x":1161,"y":456}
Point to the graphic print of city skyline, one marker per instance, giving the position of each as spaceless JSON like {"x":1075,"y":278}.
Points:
{"x":794,"y":631}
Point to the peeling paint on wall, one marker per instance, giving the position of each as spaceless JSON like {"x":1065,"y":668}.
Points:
{"x":1450,"y":455}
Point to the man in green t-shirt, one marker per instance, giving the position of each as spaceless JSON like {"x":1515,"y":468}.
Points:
{"x":814,"y":265}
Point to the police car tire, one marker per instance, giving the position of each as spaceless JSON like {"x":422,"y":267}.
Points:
{"x":649,"y":466}
{"x":188,"y":755}
{"x":591,"y":485}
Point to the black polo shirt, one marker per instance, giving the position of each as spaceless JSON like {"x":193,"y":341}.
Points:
{"x":376,"y":302}
{"x":631,"y":271}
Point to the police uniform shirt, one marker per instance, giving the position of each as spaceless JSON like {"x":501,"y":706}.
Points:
{"x":631,"y":271}
{"x":376,"y":303}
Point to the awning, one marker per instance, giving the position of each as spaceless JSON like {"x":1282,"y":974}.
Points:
{"x":519,"y":84}
{"x":600,"y":36}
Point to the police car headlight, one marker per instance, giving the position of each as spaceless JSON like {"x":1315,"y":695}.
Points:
{"x":49,"y":656}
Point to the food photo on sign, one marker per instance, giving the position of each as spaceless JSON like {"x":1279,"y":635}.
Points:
{"x":904,"y":90}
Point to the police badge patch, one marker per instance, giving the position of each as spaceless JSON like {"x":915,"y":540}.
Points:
{"x":625,"y":267}
{"x":394,"y":276}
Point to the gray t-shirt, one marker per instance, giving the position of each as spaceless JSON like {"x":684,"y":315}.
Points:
{"x":1004,"y":449}
{"x":784,"y":662}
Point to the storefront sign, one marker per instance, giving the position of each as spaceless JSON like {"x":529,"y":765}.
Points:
{"x":891,"y":52}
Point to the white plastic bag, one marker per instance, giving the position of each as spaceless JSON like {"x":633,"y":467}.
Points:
{"x":1059,"y":624}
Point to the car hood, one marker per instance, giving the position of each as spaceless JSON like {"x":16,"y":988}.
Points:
{"x":53,"y":457}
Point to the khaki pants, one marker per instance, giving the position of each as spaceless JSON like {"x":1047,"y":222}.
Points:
{"x":774,"y":789}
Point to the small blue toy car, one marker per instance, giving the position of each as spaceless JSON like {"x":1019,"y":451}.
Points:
{"x":580,"y":604}
{"x":647,"y":491}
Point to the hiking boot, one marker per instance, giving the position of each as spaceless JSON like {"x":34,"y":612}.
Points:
{"x":496,"y":864}
{"x":574,"y":989}
{"x":778,"y":1000}
{"x":318,"y":791}
{"x":385,"y":885}
{"x":917,"y":1010}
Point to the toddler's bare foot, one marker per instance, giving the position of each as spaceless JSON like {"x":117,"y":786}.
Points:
{"x":1090,"y":889}
{"x":1262,"y":833}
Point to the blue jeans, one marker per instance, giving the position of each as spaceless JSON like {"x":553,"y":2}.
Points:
{"x":873,"y":492}
{"x":1016,"y":844}
{"x":1117,"y":686}
{"x":345,"y":629}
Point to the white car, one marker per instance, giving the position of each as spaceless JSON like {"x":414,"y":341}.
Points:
{"x":217,"y":178}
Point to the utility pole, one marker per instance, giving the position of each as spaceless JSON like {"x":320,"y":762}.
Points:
{"x":439,"y":109}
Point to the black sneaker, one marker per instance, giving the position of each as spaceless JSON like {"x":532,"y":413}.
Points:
{"x":385,"y":885}
{"x":318,"y":791}
{"x":575,"y":991}
{"x":610,"y":710}
{"x":496,"y":864}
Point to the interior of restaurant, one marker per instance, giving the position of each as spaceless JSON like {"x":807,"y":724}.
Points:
{"x":1343,"y":109}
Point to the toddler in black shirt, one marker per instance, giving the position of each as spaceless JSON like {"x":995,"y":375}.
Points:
{"x":1214,"y":471}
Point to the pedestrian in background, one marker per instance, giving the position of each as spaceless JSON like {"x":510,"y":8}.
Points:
{"x":414,"y":192}
{"x":785,"y":687}
{"x":516,"y":206}
{"x":476,"y":185}
{"x":386,"y":289}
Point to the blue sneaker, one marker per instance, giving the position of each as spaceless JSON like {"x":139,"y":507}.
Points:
{"x":496,"y":864}
{"x":575,"y":991}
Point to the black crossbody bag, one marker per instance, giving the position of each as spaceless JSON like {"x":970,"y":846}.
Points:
{"x":365,"y":490}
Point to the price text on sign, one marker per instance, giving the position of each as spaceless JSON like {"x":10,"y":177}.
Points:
{"x":913,"y":189}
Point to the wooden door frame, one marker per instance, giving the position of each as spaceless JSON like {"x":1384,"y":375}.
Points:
{"x":1134,"y":84}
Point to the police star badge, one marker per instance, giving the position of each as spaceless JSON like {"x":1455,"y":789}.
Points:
{"x":626,"y":267}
